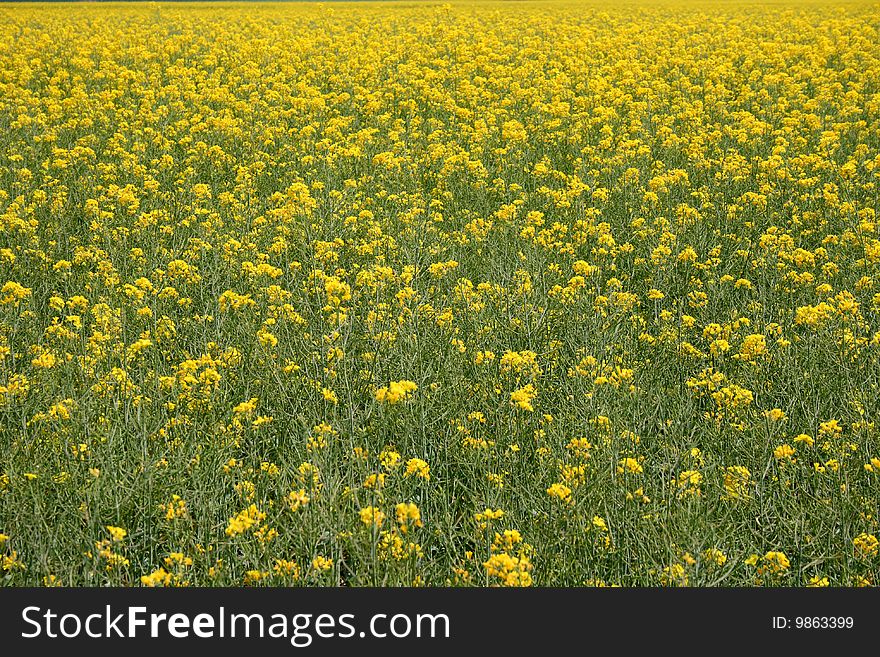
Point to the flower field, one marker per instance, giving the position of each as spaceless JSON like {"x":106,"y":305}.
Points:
{"x":409,"y":294}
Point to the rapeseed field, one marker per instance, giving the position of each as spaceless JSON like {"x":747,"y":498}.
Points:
{"x":419,"y":294}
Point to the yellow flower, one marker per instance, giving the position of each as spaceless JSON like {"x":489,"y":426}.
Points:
{"x":523,"y":397}
{"x":561,"y":492}
{"x":521,"y":363}
{"x":245,"y":408}
{"x":629,"y":465}
{"x":688,"y":483}
{"x":784,"y":452}
{"x":507,"y":570}
{"x":174,"y":509}
{"x":866,"y":545}
{"x":674,"y":575}
{"x":389,"y":459}
{"x":777,"y":562}
{"x":715,"y":556}
{"x":830,"y":428}
{"x":440,"y":269}
{"x":376,"y":481}
{"x":116,"y":533}
{"x":737,"y":480}
{"x":13,"y":293}
{"x":753,"y":346}
{"x":245,"y":520}
{"x":395,"y":392}
{"x":297,"y":499}
{"x":371,"y":516}
{"x":158,"y":577}
{"x":407,"y":515}
{"x":484,"y":517}
{"x":286,"y":568}
{"x":321,"y":563}
{"x":46,"y":360}
{"x":418,"y":468}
